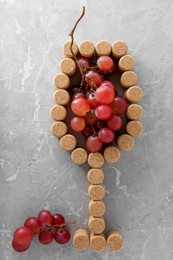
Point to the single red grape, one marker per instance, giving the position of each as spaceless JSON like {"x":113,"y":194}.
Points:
{"x":114,"y":122}
{"x":80,"y":106}
{"x":103,"y":112}
{"x":104,"y":95}
{"x":93,"y":144}
{"x":20,"y":247}
{"x":92,"y":100}
{"x":112,"y":70}
{"x":83,"y":62}
{"x":62,"y":235}
{"x":88,"y":131}
{"x":106,"y":135}
{"x":58,"y":219}
{"x":45,"y":236}
{"x":119,"y":106}
{"x":93,"y":78}
{"x":108,"y":83}
{"x":45,"y":217}
{"x":23,"y":235}
{"x":78,"y":123}
{"x":77,"y":95}
{"x":104,"y":63}
{"x":33,"y":224}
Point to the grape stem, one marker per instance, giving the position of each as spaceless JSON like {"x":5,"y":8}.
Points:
{"x":72,"y":41}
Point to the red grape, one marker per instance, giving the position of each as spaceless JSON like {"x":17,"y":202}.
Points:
{"x":101,"y":124}
{"x":104,"y":63}
{"x":77,"y":95}
{"x":33,"y":224}
{"x":90,"y":117}
{"x":92,"y":100}
{"x":83,"y":62}
{"x":108,"y":83}
{"x":93,"y":144}
{"x":119,"y":106}
{"x":20,"y":247}
{"x":104,"y":95}
{"x":45,"y":217}
{"x":23,"y":235}
{"x":93,"y":78}
{"x":62,"y":235}
{"x":114,"y":122}
{"x":80,"y":106}
{"x":112,"y":70}
{"x":88,"y":131}
{"x":106,"y":135}
{"x":103,"y":112}
{"x":45,"y":236}
{"x":58,"y":219}
{"x":78,"y":123}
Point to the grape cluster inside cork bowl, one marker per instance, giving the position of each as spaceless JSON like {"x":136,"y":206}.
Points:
{"x":96,"y":115}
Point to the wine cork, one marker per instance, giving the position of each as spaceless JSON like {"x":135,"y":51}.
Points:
{"x":58,"y":112}
{"x":119,"y":49}
{"x":125,"y":142}
{"x":111,"y":154}
{"x":61,"y":97}
{"x":95,"y":176}
{"x":128,"y":79}
{"x":95,"y":160}
{"x":86,"y":49}
{"x":134,"y":128}
{"x":97,"y":208}
{"x":68,"y":66}
{"x":103,"y":48}
{"x":61,"y":81}
{"x":97,"y":242}
{"x":68,"y":142}
{"x":133,"y":94}
{"x":126,"y":63}
{"x":96,"y":192}
{"x":67,"y":51}
{"x":59,"y":129}
{"x":79,"y":156}
{"x":134,"y":112}
{"x":96,"y":225}
{"x":81,"y":239}
{"x":114,"y":240}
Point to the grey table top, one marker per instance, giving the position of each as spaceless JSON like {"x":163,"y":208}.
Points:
{"x":35,"y":173}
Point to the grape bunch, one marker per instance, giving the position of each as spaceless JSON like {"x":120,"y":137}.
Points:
{"x":46,"y":226}
{"x":96,"y":104}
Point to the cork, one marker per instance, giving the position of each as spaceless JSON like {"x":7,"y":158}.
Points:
{"x":111,"y":154}
{"x":134,"y":128}
{"x":96,"y":191}
{"x":68,"y":142}
{"x":86,"y":49}
{"x":134,"y":112}
{"x":61,"y":81}
{"x":97,"y":208}
{"x":97,"y":242}
{"x":95,"y":176}
{"x":79,"y":156}
{"x":81,"y":239}
{"x":103,"y":48}
{"x":114,"y":240}
{"x":125,"y":142}
{"x":61,"y":97}
{"x":95,"y":160}
{"x":96,"y":225}
{"x":67,"y":51}
{"x":128,"y":79}
{"x":133,"y":94}
{"x":68,"y":66}
{"x":126,"y":63}
{"x":119,"y":49}
{"x":59,"y":129}
{"x":58,"y":112}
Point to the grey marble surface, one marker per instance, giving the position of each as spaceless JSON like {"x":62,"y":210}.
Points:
{"x":35,"y":173}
